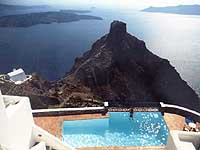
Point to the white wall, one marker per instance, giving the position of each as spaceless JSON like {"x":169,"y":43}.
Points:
{"x":16,"y":124}
{"x":183,"y":140}
{"x":3,"y":122}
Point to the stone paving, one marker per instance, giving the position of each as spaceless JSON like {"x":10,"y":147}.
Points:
{"x":53,"y":124}
{"x":174,"y":122}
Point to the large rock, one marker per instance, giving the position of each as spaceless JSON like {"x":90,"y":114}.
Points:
{"x":120,"y":68}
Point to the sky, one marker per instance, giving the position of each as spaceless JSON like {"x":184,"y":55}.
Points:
{"x":123,"y":4}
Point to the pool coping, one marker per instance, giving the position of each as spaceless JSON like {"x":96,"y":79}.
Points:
{"x":68,"y":111}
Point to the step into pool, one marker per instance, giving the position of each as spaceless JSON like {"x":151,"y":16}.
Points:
{"x":144,"y":129}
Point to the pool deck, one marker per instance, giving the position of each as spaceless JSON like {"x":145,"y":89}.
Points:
{"x":53,"y":124}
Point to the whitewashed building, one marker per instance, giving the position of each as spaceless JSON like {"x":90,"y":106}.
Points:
{"x":18,"y":76}
{"x":18,"y":130}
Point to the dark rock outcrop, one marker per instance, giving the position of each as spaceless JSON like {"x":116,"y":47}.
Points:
{"x":45,"y":94}
{"x":37,"y":89}
{"x":120,"y":68}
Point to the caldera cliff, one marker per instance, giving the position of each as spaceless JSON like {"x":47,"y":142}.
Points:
{"x":118,"y":68}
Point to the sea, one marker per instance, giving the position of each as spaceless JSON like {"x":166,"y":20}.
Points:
{"x":50,"y":49}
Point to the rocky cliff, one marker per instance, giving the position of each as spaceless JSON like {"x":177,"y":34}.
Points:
{"x":118,"y":68}
{"x":46,"y":94}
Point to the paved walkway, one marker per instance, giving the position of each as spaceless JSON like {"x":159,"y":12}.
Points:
{"x":53,"y":124}
{"x":174,"y":122}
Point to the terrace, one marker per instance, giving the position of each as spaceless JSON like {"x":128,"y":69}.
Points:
{"x":42,"y":129}
{"x":52,"y":121}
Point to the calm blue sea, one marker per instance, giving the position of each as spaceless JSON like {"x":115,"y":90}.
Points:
{"x":50,"y":49}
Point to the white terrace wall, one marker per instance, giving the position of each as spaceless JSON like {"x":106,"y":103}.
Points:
{"x":16,"y":122}
{"x":3,"y":122}
{"x":182,"y":140}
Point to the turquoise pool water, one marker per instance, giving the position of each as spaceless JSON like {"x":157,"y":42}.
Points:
{"x":145,"y":129}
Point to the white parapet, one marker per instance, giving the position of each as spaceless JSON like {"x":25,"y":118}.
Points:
{"x":18,"y":130}
{"x":16,"y":122}
{"x":106,"y":104}
{"x":183,"y":140}
{"x":67,"y":109}
{"x":180,"y":108}
{"x":41,"y":135}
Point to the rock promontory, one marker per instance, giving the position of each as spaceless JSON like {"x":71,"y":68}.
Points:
{"x":120,"y":68}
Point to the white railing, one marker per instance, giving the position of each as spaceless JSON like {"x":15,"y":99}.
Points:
{"x":67,"y":109}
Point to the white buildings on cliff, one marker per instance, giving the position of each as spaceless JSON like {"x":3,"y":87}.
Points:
{"x":18,"y":76}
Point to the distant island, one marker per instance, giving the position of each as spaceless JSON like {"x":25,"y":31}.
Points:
{"x":4,"y":7}
{"x":30,"y":19}
{"x":75,"y":11}
{"x":181,"y":9}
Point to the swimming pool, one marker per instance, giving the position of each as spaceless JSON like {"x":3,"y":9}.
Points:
{"x":145,"y":129}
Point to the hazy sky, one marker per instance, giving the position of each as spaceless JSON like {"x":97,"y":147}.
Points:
{"x":104,"y":3}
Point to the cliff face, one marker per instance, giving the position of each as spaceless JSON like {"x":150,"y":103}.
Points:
{"x":119,"y":67}
{"x":38,"y":89}
{"x":46,"y":94}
